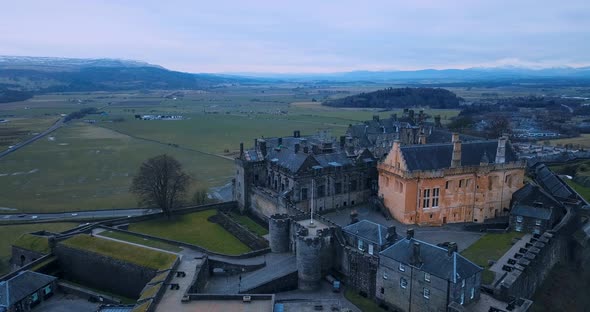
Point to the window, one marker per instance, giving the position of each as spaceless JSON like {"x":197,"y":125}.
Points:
{"x":360,"y":245}
{"x":371,"y":249}
{"x":426,"y":293}
{"x":382,"y":290}
{"x":403,"y":283}
{"x":518,"y":227}
{"x":427,"y":277}
{"x":537,"y":222}
{"x":435,"y":194}
{"x":384,"y":276}
{"x":536,"y":230}
{"x":462,"y":298}
{"x":462,"y":283}
{"x":519,"y":219}
{"x":34,"y":297}
{"x":303,"y":193}
{"x":321,"y":191}
{"x":426,"y":198}
{"x":447,"y":185}
{"x":402,"y":268}
{"x":472,"y":293}
{"x":338,"y":188}
{"x":461,"y":182}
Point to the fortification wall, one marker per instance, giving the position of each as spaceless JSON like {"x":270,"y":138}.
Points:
{"x":251,"y":240}
{"x":21,"y":257}
{"x":279,"y":229}
{"x":101,"y":272}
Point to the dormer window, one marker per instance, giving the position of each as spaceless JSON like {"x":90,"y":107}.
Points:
{"x":402,"y":268}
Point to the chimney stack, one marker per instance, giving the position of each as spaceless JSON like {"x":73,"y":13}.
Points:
{"x":306,"y":149}
{"x":262,"y":147}
{"x":280,"y":142}
{"x":391,"y":234}
{"x":437,"y":123}
{"x":394,"y":117}
{"x":452,"y":248}
{"x":501,"y":151}
{"x":416,"y":260}
{"x":422,"y":136}
{"x":296,"y":148}
{"x":410,"y":233}
{"x":296,"y":133}
{"x":342,"y":141}
{"x":241,"y":149}
{"x":456,"y":158}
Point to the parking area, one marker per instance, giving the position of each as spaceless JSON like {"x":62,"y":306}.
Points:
{"x":66,"y":303}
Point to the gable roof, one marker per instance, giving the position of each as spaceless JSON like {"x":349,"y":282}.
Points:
{"x":532,"y":201}
{"x":435,"y":260}
{"x":551,"y":183}
{"x":368,"y":230}
{"x":19,"y":287}
{"x":438,"y":156}
{"x":532,"y":212}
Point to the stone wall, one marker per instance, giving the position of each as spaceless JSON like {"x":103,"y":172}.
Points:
{"x":284,"y":283}
{"x":250,"y":239}
{"x":21,"y":257}
{"x":200,"y":278}
{"x":101,"y":272}
{"x":359,"y":270}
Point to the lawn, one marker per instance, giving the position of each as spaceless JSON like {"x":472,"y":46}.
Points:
{"x":491,"y":246}
{"x":583,"y":141}
{"x":250,"y":224}
{"x":193,"y":228}
{"x":140,"y":241}
{"x":141,"y":256}
{"x":582,"y":190}
{"x":10,"y":233}
{"x":365,"y":304}
{"x":84,"y":167}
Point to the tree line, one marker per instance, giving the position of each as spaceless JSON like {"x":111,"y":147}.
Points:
{"x":400,"y":98}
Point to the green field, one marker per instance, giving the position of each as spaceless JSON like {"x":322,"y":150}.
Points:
{"x":249,"y":224}
{"x":11,"y":233}
{"x":140,"y":241}
{"x":16,"y":130}
{"x":582,"y":141}
{"x":193,"y":228}
{"x":141,"y":256}
{"x":491,"y":246}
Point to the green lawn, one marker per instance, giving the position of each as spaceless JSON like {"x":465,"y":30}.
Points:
{"x":491,"y":246}
{"x":10,"y":233}
{"x":193,"y":228}
{"x":33,"y":242}
{"x":141,"y":256}
{"x":365,"y":304}
{"x":140,"y":241}
{"x":250,"y":224}
{"x":582,"y":190}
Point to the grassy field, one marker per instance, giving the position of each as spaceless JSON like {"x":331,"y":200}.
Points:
{"x":365,"y":304}
{"x":249,"y":224}
{"x":140,"y":241}
{"x":491,"y":246}
{"x":16,"y":130}
{"x":83,"y":167}
{"x":582,"y":190}
{"x":583,"y":141}
{"x":141,"y":256}
{"x":10,"y":233}
{"x":193,"y":228}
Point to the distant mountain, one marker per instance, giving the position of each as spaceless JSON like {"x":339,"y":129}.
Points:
{"x":400,"y":98}
{"x":29,"y":75}
{"x":439,"y":76}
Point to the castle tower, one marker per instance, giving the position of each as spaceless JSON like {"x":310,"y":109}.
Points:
{"x":279,"y":226}
{"x":309,"y":269}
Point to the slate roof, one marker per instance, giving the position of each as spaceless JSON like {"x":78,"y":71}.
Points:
{"x":21,"y":286}
{"x":551,"y":183}
{"x":435,"y":260}
{"x":368,"y":230}
{"x":532,"y":212}
{"x":438,"y":156}
{"x":445,"y":136}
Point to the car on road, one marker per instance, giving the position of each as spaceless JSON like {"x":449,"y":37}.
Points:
{"x":34,"y":217}
{"x":22,"y":215}
{"x":74,"y":214}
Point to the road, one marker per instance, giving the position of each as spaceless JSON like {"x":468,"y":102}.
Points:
{"x":14,"y":148}
{"x":76,"y":215}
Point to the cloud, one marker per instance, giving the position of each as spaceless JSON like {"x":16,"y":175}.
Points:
{"x":305,"y":35}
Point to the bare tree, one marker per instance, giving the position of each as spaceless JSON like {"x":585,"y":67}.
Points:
{"x":161,"y":182}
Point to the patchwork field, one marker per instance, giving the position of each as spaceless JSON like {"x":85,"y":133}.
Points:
{"x":582,"y":141}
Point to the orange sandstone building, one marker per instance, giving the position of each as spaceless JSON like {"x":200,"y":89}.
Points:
{"x":434,"y":184}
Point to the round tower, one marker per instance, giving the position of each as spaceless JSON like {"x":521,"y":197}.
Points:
{"x":309,"y":268}
{"x":278,"y":227}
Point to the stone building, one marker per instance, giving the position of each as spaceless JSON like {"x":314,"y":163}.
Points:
{"x":25,"y":291}
{"x":434,"y":184}
{"x":534,"y":210}
{"x":286,"y":173}
{"x":369,"y":237}
{"x":416,"y":276}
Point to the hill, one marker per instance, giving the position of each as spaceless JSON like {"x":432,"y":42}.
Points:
{"x":22,"y":77}
{"x":400,"y":98}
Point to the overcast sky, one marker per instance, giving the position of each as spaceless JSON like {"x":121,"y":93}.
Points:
{"x":303,"y":36}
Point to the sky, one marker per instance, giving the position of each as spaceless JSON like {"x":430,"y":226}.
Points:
{"x":274,"y":36}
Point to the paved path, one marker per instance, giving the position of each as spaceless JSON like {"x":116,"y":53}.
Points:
{"x":172,"y":298}
{"x":20,"y":145}
{"x":76,"y":215}
{"x":497,"y":267}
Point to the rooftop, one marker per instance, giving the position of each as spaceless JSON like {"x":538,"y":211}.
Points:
{"x":433,"y":259}
{"x":368,"y":230}
{"x":19,"y":287}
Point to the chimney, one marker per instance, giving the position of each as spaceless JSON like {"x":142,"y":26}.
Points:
{"x":354,"y":217}
{"x":255,"y":144}
{"x":262,"y":147}
{"x":501,"y":151}
{"x":452,"y":247}
{"x":306,"y":149}
{"x":410,"y":233}
{"x":422,"y":137}
{"x":456,"y":159}
{"x":391,"y":234}
{"x":241,"y":149}
{"x":421,"y":116}
{"x":411,"y":112}
{"x":437,"y":123}
{"x":280,"y":141}
{"x":394,"y":117}
{"x":296,"y":148}
{"x":296,"y":133}
{"x":376,"y":117}
{"x":416,"y":260}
